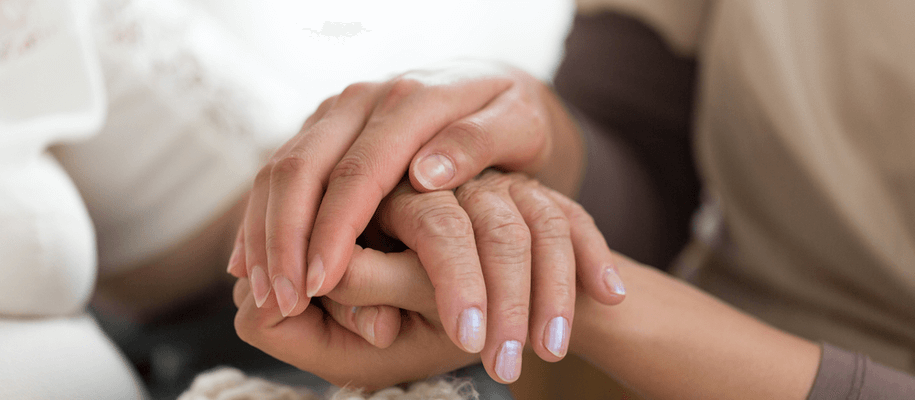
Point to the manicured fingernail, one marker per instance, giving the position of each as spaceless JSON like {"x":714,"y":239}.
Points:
{"x":434,"y":171}
{"x":286,"y":296}
{"x":613,"y":281}
{"x":508,"y":362}
{"x":368,"y":324}
{"x":557,"y":334}
{"x":260,"y":285}
{"x":471,"y":330}
{"x":315,"y":276}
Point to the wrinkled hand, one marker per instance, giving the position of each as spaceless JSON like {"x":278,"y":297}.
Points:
{"x":525,"y":235}
{"x":319,"y":191}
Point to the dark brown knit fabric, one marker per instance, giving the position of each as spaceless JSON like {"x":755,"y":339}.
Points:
{"x":622,"y":76}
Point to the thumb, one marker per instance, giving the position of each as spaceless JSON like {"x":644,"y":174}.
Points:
{"x":510,"y":132}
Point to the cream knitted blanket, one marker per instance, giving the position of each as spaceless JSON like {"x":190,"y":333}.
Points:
{"x":232,"y":384}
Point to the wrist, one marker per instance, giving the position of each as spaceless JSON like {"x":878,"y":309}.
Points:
{"x":564,"y":167}
{"x":669,"y":340}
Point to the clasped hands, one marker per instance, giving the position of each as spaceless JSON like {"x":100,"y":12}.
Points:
{"x":487,"y":266}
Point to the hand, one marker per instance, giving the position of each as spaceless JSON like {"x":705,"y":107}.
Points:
{"x":390,"y":283}
{"x":317,"y":343}
{"x":446,"y":124}
{"x":523,"y":234}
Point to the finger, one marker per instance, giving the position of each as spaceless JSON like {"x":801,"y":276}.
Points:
{"x":552,"y":270}
{"x":394,"y":279}
{"x":376,"y":324}
{"x":595,"y":268}
{"x":236,"y":260}
{"x":504,"y":244}
{"x":254,"y":235}
{"x":240,"y":291}
{"x":437,"y":228}
{"x":312,"y":342}
{"x":510,"y":132}
{"x":409,"y":114}
{"x":297,"y":180}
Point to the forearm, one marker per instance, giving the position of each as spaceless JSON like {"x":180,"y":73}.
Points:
{"x":671,"y":341}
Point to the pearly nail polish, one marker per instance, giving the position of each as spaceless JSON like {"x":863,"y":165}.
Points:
{"x":614,"y":282}
{"x":508,"y":362}
{"x":471,"y":331}
{"x":557,"y":334}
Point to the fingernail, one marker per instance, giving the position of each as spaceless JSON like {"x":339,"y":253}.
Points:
{"x":613,"y":281}
{"x":470,"y":330}
{"x":315,"y":276}
{"x":508,"y":362}
{"x":434,"y":171}
{"x":232,"y":259}
{"x":557,"y":333}
{"x":260,"y":285}
{"x":286,"y":296}
{"x":368,"y":324}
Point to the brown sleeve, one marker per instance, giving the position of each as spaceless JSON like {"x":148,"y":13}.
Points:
{"x":846,"y":375}
{"x":634,"y":101}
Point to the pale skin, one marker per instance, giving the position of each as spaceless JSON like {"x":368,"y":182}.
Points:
{"x":484,"y":115}
{"x":551,"y":219}
{"x":518,"y":124}
{"x":490,"y":202}
{"x":319,"y":191}
{"x":668,"y":340}
{"x":564,"y":172}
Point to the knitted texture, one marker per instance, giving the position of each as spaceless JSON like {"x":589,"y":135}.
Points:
{"x":232,"y":384}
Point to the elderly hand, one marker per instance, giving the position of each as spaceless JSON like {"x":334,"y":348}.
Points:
{"x":319,"y":191}
{"x":525,"y":235}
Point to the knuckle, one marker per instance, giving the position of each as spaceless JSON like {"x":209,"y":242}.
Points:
{"x":503,"y":238}
{"x":353,"y":284}
{"x":403,"y":88}
{"x":550,"y":225}
{"x":288,"y":168}
{"x":444,"y":220}
{"x":476,"y":140}
{"x":578,"y":215}
{"x":510,"y":232}
{"x":356,"y":90}
{"x":398,"y":92}
{"x":263,"y":175}
{"x":320,"y":111}
{"x":352,"y":167}
{"x":499,"y":222}
{"x":514,"y":311}
{"x":275,"y":243}
{"x":464,"y":275}
{"x":560,"y":289}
